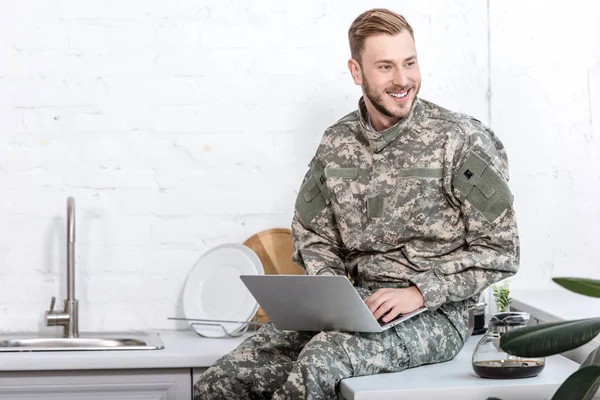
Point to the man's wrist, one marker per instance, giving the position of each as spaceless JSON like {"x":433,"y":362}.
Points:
{"x":418,"y":296}
{"x":432,"y":289}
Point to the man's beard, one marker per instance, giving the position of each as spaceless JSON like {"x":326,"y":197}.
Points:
{"x":376,"y":99}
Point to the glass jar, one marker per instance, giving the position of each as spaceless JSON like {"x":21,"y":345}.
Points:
{"x":490,"y":361}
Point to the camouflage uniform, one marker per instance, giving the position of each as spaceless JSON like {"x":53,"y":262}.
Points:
{"x":424,"y":203}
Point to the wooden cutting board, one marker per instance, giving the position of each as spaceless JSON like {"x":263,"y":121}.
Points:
{"x":274,"y":249}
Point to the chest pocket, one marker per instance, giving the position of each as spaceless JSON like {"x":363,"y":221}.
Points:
{"x":417,"y":207}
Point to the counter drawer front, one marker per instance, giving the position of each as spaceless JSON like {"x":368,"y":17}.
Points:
{"x":171,"y":384}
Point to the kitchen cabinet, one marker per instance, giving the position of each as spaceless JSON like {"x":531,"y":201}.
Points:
{"x":163,"y":374}
{"x":147,"y":384}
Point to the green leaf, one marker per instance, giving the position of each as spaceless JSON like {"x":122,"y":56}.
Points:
{"x":586,"y":287}
{"x":547,"y":339}
{"x":581,"y":385}
{"x":592,"y":359}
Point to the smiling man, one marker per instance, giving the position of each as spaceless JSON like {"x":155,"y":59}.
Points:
{"x":386,"y":67}
{"x":409,"y":199}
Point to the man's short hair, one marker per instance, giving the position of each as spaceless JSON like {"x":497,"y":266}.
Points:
{"x":374,"y":22}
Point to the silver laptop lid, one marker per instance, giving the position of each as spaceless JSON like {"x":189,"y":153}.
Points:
{"x":311,"y":303}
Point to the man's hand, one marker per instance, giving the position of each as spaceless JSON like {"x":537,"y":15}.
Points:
{"x":389,"y":303}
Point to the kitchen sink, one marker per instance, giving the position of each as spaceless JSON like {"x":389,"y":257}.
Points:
{"x":68,"y":319}
{"x":119,"y":341}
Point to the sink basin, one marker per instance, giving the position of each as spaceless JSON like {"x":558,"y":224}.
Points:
{"x":122,"y":341}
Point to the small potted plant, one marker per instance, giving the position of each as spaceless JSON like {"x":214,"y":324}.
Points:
{"x":502,"y":295}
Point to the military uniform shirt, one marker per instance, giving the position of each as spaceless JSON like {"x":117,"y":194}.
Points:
{"x":425,"y":202}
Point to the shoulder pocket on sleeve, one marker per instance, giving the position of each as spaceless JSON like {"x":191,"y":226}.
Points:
{"x":482,"y":185}
{"x":310,"y":200}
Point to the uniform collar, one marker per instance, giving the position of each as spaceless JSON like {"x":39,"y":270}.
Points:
{"x":379,"y":140}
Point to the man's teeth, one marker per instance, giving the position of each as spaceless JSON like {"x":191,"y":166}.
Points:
{"x":398,"y":95}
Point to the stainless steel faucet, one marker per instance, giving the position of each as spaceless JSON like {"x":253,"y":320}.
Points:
{"x":68,"y":317}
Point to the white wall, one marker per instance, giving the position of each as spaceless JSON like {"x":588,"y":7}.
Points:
{"x":545,"y":74}
{"x":184,"y":124}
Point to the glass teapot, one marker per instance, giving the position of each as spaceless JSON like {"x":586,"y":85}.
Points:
{"x":490,"y":361}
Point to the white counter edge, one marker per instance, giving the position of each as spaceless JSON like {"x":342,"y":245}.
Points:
{"x":183,"y":349}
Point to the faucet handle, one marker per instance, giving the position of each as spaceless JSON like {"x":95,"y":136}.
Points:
{"x":52,"y":301}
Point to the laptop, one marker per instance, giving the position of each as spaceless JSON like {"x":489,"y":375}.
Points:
{"x":316,"y":303}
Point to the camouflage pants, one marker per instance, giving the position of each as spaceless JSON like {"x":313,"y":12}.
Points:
{"x":303,"y":365}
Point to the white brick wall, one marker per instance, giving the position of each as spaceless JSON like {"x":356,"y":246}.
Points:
{"x":546,"y":105}
{"x":185,"y":124}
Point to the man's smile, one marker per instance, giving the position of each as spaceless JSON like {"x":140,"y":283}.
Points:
{"x":399,"y":96}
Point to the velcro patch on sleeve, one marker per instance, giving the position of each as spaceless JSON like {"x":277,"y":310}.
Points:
{"x":310,"y":201}
{"x":318,"y":173}
{"x":311,"y":190}
{"x":483,"y":186}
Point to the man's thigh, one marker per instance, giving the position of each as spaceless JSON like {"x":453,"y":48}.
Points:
{"x":271,"y":344}
{"x":424,"y":339}
{"x":431,"y":337}
{"x":363,"y":353}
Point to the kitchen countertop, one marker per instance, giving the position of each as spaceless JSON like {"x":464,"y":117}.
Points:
{"x":183,"y":349}
{"x":556,"y":304}
{"x":559,"y":304}
{"x":455,"y":379}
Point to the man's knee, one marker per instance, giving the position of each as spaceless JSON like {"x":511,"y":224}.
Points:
{"x":208,"y":383}
{"x":322,"y":363}
{"x":201,"y":391}
{"x":218,"y":383}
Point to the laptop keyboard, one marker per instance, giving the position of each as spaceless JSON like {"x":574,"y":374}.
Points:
{"x":381,"y":323}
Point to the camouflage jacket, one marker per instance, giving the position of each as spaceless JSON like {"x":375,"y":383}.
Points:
{"x":425,"y":202}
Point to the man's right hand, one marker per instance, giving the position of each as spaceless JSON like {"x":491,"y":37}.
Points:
{"x":388,"y":303}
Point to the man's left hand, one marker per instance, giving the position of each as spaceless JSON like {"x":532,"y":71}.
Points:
{"x":389,"y":302}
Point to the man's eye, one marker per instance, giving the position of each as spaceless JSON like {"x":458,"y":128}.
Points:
{"x":385,"y":67}
{"x":410,"y":63}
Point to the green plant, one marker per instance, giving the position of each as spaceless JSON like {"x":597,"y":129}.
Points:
{"x":502,"y":295}
{"x":557,"y":337}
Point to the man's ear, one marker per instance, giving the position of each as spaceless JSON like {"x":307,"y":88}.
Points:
{"x":355,"y":71}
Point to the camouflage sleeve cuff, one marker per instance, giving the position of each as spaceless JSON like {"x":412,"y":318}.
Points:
{"x":363,"y":292}
{"x":432,"y":288}
{"x":328,"y":271}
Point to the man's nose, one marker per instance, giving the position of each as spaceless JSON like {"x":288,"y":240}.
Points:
{"x":400,"y":78}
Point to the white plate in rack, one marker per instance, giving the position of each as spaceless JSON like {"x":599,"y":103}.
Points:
{"x":214,"y":291}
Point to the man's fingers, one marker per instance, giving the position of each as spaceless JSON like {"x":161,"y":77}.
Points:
{"x":382,"y":310}
{"x":375,"y":296}
{"x":392,"y":302}
{"x":376,"y":300}
{"x":384,"y":304}
{"x":394,"y":312}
